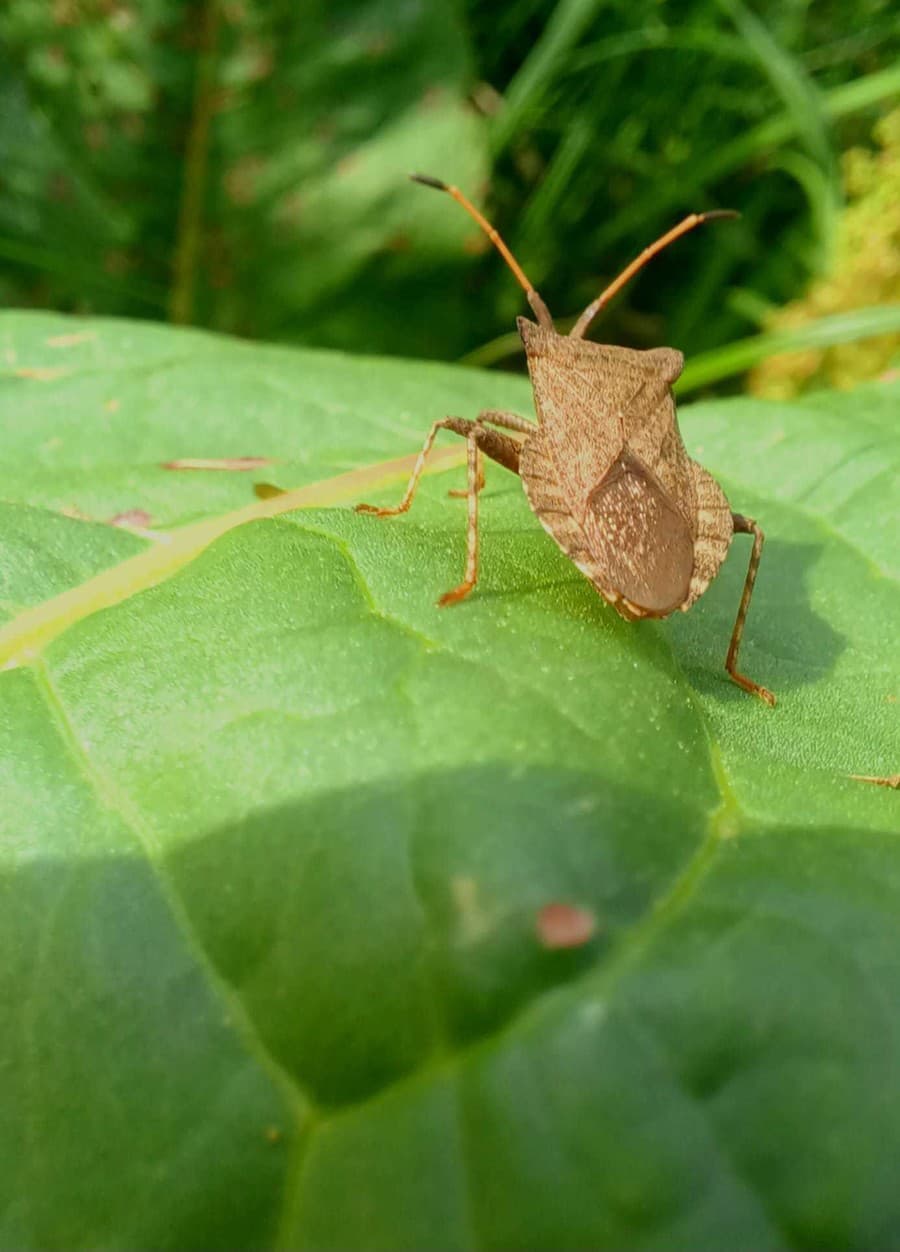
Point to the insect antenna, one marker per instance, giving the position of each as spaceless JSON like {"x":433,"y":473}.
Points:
{"x":537,"y":304}
{"x":694,"y":219}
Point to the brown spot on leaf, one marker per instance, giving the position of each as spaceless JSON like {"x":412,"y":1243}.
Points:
{"x":561,"y":925}
{"x":140,"y":519}
{"x":267,"y":491}
{"x":112,"y":406}
{"x":229,"y":464}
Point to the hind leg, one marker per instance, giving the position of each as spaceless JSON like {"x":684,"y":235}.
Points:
{"x":746,"y":526}
{"x":506,"y":420}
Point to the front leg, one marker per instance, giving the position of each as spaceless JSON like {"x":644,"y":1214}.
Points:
{"x":506,"y":420}
{"x":500,"y":448}
{"x":459,"y":426}
{"x":473,"y":464}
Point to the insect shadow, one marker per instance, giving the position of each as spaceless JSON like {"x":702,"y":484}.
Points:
{"x":800,"y":654}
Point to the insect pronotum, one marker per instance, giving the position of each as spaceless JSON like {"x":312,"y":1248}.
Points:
{"x":604,"y":468}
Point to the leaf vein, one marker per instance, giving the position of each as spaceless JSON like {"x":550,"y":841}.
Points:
{"x":111,"y":798}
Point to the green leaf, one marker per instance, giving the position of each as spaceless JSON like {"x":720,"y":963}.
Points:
{"x":275,"y":831}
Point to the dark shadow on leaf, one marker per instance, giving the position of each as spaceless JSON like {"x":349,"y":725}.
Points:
{"x":371,"y":930}
{"x":761,"y":1019}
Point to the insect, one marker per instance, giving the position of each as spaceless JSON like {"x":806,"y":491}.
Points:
{"x":604,"y":468}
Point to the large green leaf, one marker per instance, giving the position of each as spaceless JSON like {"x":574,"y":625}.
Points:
{"x":276,"y":830}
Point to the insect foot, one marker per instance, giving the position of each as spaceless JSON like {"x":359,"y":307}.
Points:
{"x":457,"y":594}
{"x":377,"y":512}
{"x":604,"y":468}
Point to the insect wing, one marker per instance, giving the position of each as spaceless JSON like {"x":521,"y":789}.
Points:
{"x":640,"y":537}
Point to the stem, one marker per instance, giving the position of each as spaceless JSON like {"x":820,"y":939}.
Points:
{"x":190,"y":212}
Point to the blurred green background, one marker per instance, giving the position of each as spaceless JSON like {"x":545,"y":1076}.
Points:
{"x":240,"y":164}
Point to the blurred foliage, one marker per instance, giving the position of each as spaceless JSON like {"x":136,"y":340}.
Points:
{"x":236,"y":164}
{"x":240,"y":163}
{"x":867,"y":260}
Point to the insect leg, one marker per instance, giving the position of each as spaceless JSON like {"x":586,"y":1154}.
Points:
{"x":500,"y":448}
{"x":509,"y":421}
{"x":746,"y":526}
{"x":457,"y":424}
{"x":471,"y":576}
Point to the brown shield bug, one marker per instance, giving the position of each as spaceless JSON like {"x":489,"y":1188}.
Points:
{"x":604,"y":469}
